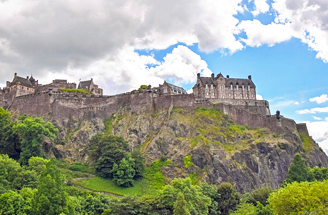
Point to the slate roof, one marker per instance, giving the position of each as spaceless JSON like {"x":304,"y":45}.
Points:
{"x":174,"y":87}
{"x":240,"y":82}
{"x":207,"y":80}
{"x":84,"y":84}
{"x":22,"y":81}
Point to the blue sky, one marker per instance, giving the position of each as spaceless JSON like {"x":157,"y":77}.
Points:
{"x":122,"y":44}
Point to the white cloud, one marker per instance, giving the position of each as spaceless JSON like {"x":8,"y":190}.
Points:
{"x":260,"y":7}
{"x":259,"y":97}
{"x":127,"y":70}
{"x":306,"y":20}
{"x":313,"y":110}
{"x":319,"y":132}
{"x":42,"y":36}
{"x":316,"y":118}
{"x":319,"y":99}
{"x":181,"y":66}
{"x":296,"y":103}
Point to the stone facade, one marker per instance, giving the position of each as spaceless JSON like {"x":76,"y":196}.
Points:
{"x":55,"y":85}
{"x":170,"y":89}
{"x":22,"y":86}
{"x":221,"y":88}
{"x":90,"y":86}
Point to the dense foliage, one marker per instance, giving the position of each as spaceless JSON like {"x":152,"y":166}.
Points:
{"x":113,"y":159}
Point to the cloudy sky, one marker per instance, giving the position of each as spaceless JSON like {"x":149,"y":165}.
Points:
{"x":122,"y":44}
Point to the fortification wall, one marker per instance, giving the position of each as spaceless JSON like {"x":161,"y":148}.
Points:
{"x":60,"y":106}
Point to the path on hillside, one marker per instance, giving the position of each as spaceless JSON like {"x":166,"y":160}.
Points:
{"x":90,"y":190}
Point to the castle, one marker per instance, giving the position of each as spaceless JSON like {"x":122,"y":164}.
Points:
{"x":234,"y":97}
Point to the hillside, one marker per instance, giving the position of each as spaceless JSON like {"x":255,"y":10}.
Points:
{"x":201,"y":141}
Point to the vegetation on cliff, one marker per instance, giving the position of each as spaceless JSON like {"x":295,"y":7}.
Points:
{"x":83,"y":91}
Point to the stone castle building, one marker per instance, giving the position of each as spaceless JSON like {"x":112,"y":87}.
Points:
{"x":22,"y":86}
{"x":90,"y":86}
{"x":221,"y":88}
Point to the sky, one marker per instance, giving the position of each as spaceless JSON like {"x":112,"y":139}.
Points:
{"x":122,"y":44}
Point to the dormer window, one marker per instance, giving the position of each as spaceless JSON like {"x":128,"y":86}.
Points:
{"x":206,"y":86}
{"x":237,"y":87}
{"x":231,"y":86}
{"x":248,"y":88}
{"x":243,"y":87}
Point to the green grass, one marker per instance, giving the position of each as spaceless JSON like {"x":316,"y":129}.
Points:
{"x":77,"y":91}
{"x":108,"y":124}
{"x":150,"y":184}
{"x":307,"y":142}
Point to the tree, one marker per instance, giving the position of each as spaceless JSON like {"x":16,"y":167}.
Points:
{"x":180,"y":206}
{"x":229,"y":198}
{"x":300,"y":198}
{"x":212,"y":192}
{"x":123,"y":173}
{"x":259,"y":195}
{"x":11,"y":203}
{"x":196,"y":201}
{"x":143,"y":87}
{"x":139,"y":161}
{"x":31,"y":133}
{"x":112,"y":150}
{"x":50,"y":197}
{"x":8,"y":138}
{"x":297,"y":170}
{"x":10,"y":170}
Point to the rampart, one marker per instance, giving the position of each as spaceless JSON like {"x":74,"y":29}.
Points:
{"x":59,"y":105}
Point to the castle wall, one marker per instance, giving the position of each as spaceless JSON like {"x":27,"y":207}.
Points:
{"x":60,"y":106}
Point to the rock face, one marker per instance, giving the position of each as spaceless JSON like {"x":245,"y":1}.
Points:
{"x":219,"y":149}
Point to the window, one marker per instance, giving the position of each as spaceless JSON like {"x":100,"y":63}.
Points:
{"x":211,"y":86}
{"x":229,"y":94}
{"x":230,"y":86}
{"x":241,"y":95}
{"x":212,"y":94}
{"x":223,"y":96}
{"x":248,"y":88}
{"x":237,"y":87}
{"x":165,"y":90}
{"x":207,"y":93}
{"x":222,"y":88}
{"x":252,"y":95}
{"x":235,"y":94}
{"x":246,"y":95}
{"x":243,"y":87}
{"x":206,"y":86}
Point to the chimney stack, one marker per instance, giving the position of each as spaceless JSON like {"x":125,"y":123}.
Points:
{"x":26,"y":77}
{"x":227,"y":76}
{"x":198,"y":75}
{"x":250,"y":77}
{"x":212,"y":75}
{"x":15,"y":75}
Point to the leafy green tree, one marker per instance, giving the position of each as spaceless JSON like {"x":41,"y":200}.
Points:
{"x":318,"y":174}
{"x":11,"y":203}
{"x":50,"y":197}
{"x":112,"y":150}
{"x":212,"y":192}
{"x":9,"y":143}
{"x":37,"y":164}
{"x":139,"y":165}
{"x":229,"y":198}
{"x":143,"y":87}
{"x":196,"y":201}
{"x":297,"y":170}
{"x":10,"y":170}
{"x":260,"y":195}
{"x":28,"y":195}
{"x":123,"y":173}
{"x":300,"y":198}
{"x":31,"y":133}
{"x":180,"y":206}
{"x":245,"y":209}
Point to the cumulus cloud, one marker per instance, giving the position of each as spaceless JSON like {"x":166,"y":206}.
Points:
{"x":259,"y":97}
{"x":319,"y":99}
{"x":319,"y":132}
{"x":127,"y":70}
{"x":306,"y":20}
{"x":261,"y":6}
{"x":45,"y":36}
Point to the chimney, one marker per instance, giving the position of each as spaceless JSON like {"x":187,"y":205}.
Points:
{"x":198,"y":75}
{"x":15,"y":75}
{"x":250,"y":77}
{"x":212,"y":75}
{"x":227,"y":76}
{"x":26,"y":77}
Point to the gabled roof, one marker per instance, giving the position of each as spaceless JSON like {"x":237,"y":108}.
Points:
{"x":207,"y":80}
{"x":176,"y":87}
{"x":84,"y":84}
{"x":239,"y":81}
{"x":22,"y":81}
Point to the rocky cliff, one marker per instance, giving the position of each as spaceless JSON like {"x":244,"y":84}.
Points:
{"x":201,"y":141}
